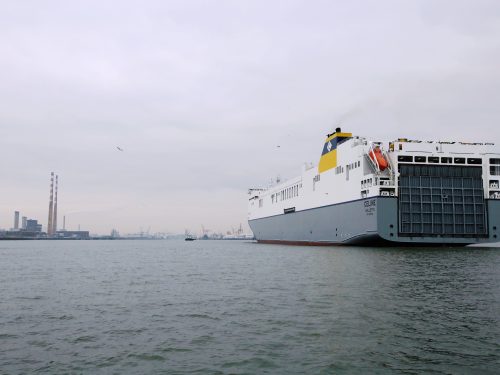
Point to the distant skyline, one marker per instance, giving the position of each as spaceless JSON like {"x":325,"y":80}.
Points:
{"x":161,"y":114}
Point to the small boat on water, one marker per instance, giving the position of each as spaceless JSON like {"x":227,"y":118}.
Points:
{"x":188,"y":236}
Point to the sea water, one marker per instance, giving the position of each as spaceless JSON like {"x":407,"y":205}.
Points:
{"x":234,"y":307}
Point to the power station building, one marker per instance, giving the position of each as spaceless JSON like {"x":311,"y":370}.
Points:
{"x":31,"y":229}
{"x":33,"y":226}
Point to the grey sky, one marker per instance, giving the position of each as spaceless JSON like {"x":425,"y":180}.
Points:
{"x":200,"y":93}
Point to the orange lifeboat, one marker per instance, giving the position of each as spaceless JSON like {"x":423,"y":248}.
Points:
{"x":376,"y":154}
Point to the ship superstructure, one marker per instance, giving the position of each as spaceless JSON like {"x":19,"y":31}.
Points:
{"x":404,"y":191}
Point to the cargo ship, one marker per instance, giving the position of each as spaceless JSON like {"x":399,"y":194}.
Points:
{"x":400,"y":192}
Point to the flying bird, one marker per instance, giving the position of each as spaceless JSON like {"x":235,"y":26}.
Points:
{"x":119,"y":148}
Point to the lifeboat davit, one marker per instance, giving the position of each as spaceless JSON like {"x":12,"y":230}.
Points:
{"x":376,"y":154}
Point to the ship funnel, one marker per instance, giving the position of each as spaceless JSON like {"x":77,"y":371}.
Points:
{"x":328,"y":158}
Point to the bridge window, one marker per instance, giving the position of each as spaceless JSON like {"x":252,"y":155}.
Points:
{"x":405,"y":158}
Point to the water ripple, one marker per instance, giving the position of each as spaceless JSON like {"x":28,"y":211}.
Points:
{"x":209,"y":307}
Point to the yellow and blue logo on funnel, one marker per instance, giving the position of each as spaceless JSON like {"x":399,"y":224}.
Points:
{"x":328,"y":158}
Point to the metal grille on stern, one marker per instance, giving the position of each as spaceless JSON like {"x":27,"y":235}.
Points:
{"x":437,"y":200}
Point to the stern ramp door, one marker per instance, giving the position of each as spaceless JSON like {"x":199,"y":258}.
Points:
{"x":441,"y":201}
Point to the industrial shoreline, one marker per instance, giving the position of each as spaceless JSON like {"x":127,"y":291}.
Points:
{"x":27,"y":228}
{"x":100,"y":238}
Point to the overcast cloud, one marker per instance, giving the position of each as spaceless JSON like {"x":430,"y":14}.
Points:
{"x":199,"y":94}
